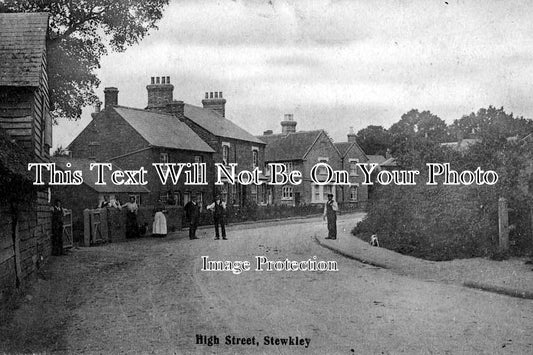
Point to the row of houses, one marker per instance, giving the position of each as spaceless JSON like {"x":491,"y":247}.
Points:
{"x":171,"y":131}
{"x":164,"y":130}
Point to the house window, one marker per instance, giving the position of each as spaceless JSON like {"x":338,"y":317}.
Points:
{"x":198,"y":159}
{"x":186,"y":197}
{"x":93,"y":147}
{"x":225,"y":153}
{"x":253,"y":192}
{"x":322,"y":171}
{"x":255,"y":157}
{"x":177,"y":198}
{"x":163,"y":158}
{"x":328,"y":189}
{"x":353,"y":167}
{"x":353,"y":193}
{"x":286,"y":193}
{"x":163,"y":196}
{"x":319,"y":193}
{"x":290,"y":166}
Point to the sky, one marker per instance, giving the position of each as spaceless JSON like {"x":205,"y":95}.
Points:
{"x":333,"y":64}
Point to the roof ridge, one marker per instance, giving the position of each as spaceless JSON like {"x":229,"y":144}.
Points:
{"x":143,"y":110}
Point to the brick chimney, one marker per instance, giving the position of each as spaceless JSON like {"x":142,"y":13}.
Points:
{"x":288,"y":125}
{"x":351,"y":135}
{"x":268,"y":132}
{"x":159,"y":93}
{"x":176,"y":108}
{"x":214,"y":101}
{"x":110,"y":97}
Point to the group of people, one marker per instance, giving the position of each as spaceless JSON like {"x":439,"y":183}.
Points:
{"x":218,"y":207}
{"x":159,"y":225}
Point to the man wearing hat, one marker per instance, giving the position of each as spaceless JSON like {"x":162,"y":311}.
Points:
{"x":330,"y":212}
{"x":219,"y":211}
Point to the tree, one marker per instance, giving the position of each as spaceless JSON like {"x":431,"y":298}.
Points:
{"x":374,"y":140}
{"x":491,"y":124}
{"x":416,"y":129}
{"x":80,"y":33}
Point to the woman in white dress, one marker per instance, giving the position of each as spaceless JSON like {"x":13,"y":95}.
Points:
{"x":159,"y":227}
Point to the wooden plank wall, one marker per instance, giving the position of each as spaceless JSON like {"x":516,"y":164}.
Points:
{"x":21,"y":257}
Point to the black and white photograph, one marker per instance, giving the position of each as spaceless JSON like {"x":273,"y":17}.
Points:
{"x":266,"y":177}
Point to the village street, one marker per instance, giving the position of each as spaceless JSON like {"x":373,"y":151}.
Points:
{"x":150,"y":296}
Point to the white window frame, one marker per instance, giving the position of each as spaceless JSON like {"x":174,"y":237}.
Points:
{"x":287,"y":193}
{"x":353,"y":197}
{"x":353,"y":172}
{"x":322,"y":191}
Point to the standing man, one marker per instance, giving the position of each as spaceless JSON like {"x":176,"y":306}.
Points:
{"x":132,"y":229}
{"x":57,"y":228}
{"x":219,"y":216}
{"x":192,"y":213}
{"x":330,"y":212}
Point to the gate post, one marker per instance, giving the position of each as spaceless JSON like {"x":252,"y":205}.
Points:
{"x":86,"y":228}
{"x":503,"y":224}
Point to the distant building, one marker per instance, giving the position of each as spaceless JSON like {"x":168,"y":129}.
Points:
{"x":301,"y":150}
{"x":25,"y":137}
{"x":351,"y":155}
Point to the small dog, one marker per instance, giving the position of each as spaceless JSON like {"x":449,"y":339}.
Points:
{"x":374,"y":240}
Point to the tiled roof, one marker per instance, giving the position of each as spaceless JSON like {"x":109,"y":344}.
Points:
{"x":163,"y":130}
{"x":22,"y":45}
{"x":343,"y":147}
{"x":293,"y":146}
{"x":217,"y":125}
{"x":269,"y":138}
{"x":13,"y":158}
{"x":90,"y":176}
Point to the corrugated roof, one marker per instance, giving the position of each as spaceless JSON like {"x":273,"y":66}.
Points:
{"x":292,"y":146}
{"x":90,"y":176}
{"x":163,"y":130}
{"x":218,"y":125}
{"x":22,"y":45}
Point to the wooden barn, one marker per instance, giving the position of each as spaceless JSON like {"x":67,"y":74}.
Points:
{"x":25,"y":136}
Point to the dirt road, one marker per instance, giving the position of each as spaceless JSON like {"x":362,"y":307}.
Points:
{"x":151,"y":296}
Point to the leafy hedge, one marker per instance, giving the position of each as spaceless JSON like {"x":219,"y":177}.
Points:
{"x":446,"y":222}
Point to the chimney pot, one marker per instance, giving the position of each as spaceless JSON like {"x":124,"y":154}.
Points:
{"x":288,"y":125}
{"x":214,"y":101}
{"x":110,"y":97}
{"x":159,"y":96}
